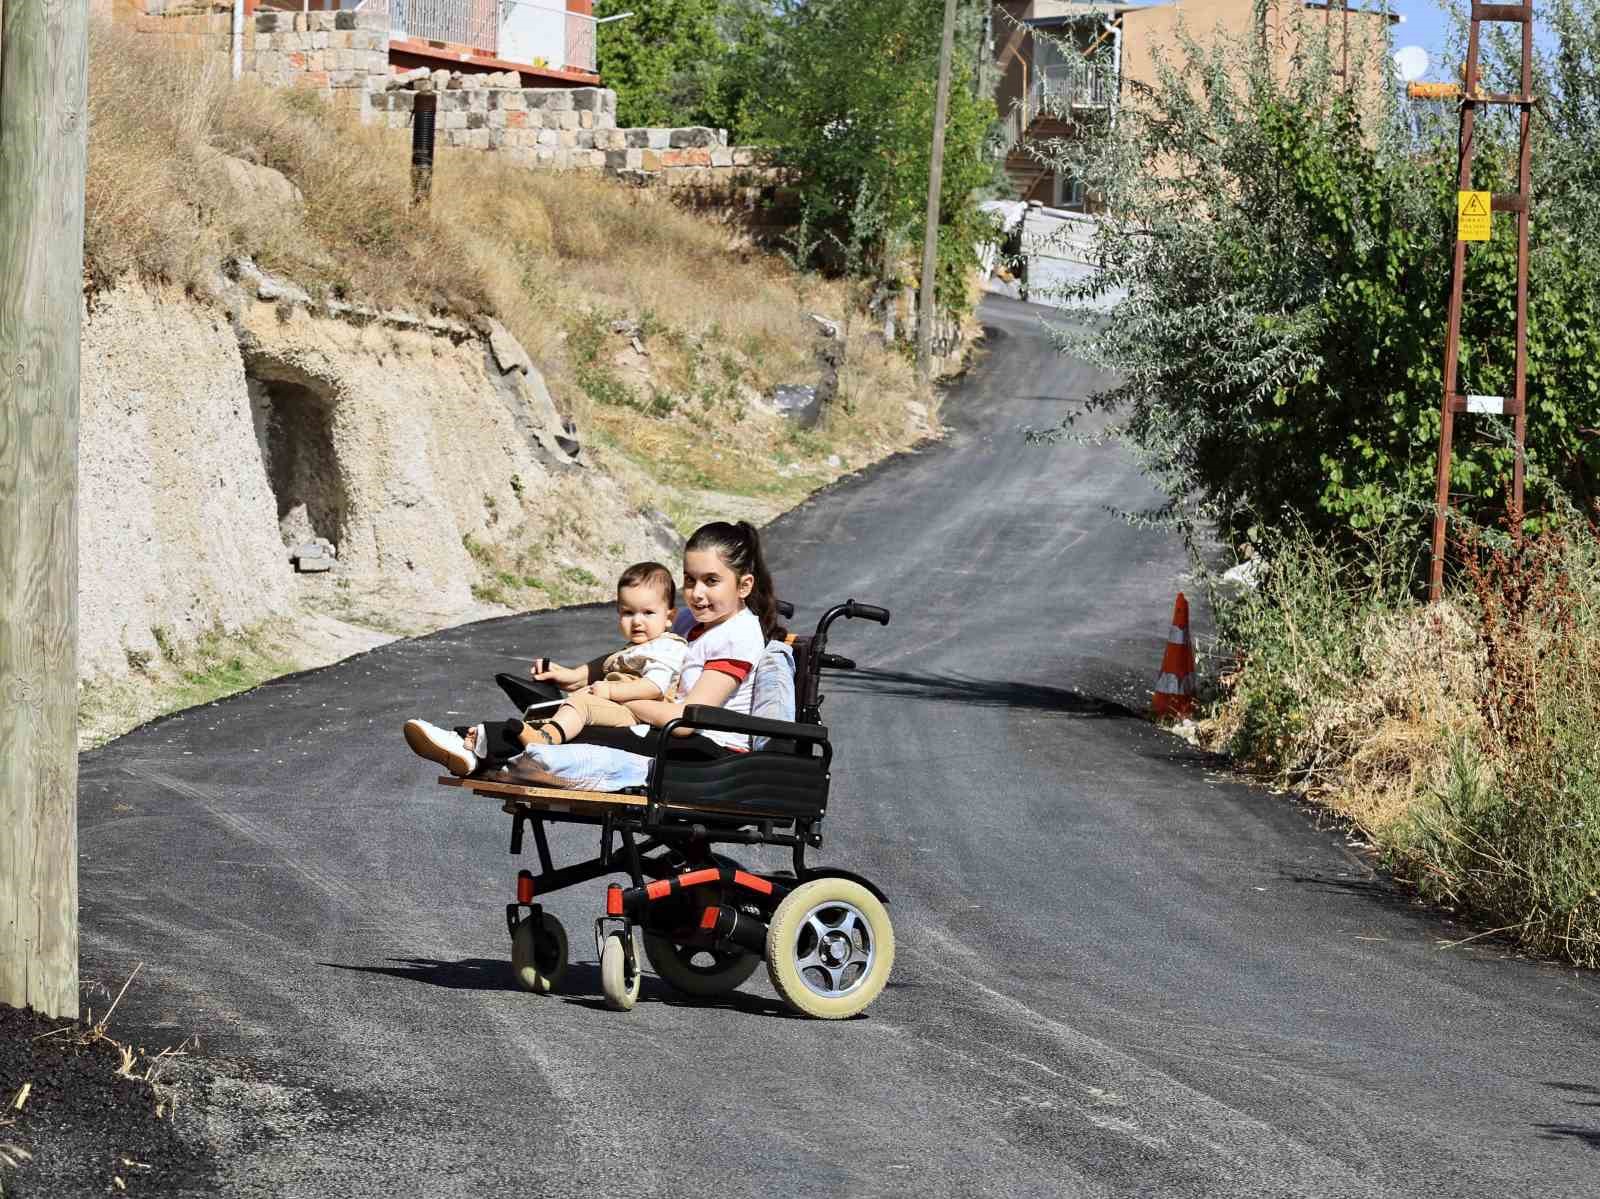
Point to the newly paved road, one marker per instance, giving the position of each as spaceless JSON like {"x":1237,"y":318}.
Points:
{"x":1118,"y":973}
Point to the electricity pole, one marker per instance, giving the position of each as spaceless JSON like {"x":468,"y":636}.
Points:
{"x":43,"y":126}
{"x":930,"y":237}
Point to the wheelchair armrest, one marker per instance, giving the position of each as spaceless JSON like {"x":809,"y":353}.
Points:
{"x":702,"y":716}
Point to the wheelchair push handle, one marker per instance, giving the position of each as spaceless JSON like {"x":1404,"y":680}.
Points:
{"x":866,"y":612}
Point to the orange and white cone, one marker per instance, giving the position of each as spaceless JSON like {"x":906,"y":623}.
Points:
{"x":1174,"y":697}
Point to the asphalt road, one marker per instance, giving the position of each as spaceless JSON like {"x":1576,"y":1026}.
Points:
{"x":1119,"y":973}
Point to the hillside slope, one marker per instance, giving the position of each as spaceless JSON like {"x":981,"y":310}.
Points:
{"x":488,"y":403}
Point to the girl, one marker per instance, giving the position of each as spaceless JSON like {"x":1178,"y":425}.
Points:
{"x":729,"y":592}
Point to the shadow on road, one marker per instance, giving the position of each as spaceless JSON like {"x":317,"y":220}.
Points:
{"x":581,"y":987}
{"x":469,"y":974}
{"x":983,"y":693}
{"x":1573,"y":1132}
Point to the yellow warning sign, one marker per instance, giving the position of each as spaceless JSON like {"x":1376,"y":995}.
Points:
{"x":1472,"y":216}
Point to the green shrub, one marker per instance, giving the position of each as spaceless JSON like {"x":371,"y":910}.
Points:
{"x":1286,"y":259}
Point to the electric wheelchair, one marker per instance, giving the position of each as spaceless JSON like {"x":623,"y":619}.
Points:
{"x":707,"y":924}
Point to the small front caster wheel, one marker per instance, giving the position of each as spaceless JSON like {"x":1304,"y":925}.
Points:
{"x":829,"y":948}
{"x":617,"y":980}
{"x":539,"y":953}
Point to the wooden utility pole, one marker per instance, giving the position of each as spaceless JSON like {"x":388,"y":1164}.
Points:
{"x":43,"y":126}
{"x":930,"y":236}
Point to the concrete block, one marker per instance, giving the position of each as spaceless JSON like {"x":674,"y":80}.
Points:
{"x":477,"y":120}
{"x":569,"y":138}
{"x":568,"y":120}
{"x":548,"y":137}
{"x":477,"y":139}
{"x":721,"y":156}
{"x":650,"y":160}
{"x":694,"y":137}
{"x":345,"y":19}
{"x":585,"y":139}
{"x":586,"y":120}
{"x":586,"y":99}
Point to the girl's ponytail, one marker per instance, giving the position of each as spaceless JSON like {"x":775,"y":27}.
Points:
{"x":763,"y":597}
{"x":739,"y":545}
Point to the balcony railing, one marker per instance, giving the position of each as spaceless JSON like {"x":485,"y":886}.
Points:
{"x":519,"y":31}
{"x":1060,"y":88}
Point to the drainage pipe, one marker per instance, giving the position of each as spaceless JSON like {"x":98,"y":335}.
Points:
{"x":424,"y":105}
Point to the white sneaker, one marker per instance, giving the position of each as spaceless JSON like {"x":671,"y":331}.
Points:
{"x":441,"y":746}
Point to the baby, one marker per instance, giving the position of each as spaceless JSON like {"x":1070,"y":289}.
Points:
{"x":646,"y":668}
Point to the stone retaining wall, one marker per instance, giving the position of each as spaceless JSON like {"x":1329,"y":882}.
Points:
{"x":344,"y":55}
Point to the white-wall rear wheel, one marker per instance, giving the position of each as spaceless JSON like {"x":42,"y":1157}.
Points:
{"x":830,"y":947}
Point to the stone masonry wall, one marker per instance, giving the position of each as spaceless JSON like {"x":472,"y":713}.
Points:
{"x":344,"y":55}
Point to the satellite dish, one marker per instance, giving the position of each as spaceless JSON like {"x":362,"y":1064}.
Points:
{"x":1410,"y":63}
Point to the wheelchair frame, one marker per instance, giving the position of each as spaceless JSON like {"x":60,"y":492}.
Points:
{"x":687,"y":899}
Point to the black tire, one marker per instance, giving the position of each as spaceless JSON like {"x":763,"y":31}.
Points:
{"x":677,"y":967}
{"x":539,"y":954}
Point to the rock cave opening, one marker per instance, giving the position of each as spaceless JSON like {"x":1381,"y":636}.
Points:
{"x":294,"y":424}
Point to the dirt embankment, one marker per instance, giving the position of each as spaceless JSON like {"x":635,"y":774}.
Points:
{"x":270,"y":482}
{"x":218,"y":440}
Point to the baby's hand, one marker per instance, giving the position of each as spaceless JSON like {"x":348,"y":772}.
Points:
{"x":600,"y":690}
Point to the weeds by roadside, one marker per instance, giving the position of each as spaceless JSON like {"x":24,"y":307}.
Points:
{"x":1460,"y":737}
{"x":83,"y":1112}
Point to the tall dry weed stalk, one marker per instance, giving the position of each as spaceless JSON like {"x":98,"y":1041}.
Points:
{"x":1513,"y":832}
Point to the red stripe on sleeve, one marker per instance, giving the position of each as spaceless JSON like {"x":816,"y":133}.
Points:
{"x":736,"y":670}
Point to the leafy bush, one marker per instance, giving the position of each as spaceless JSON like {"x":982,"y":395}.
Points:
{"x":846,"y":100}
{"x":1286,"y":250}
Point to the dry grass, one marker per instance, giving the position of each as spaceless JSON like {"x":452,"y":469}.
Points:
{"x":557,"y":257}
{"x":1459,"y":738}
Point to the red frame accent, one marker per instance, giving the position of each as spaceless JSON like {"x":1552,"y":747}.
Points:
{"x":708,"y":918}
{"x":614,"y":900}
{"x":760,"y":885}
{"x":524,"y":887}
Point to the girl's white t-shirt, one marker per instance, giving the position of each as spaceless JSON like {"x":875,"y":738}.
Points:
{"x":732,"y":648}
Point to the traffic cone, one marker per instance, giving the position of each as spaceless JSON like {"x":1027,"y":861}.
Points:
{"x":1174,"y":695}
